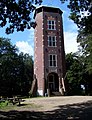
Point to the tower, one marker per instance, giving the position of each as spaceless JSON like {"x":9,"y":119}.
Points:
{"x":49,"y":54}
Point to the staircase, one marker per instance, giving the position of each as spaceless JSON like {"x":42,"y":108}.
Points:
{"x":56,"y":94}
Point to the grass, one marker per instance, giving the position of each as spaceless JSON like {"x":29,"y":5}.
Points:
{"x":7,"y":106}
{"x":3,"y":104}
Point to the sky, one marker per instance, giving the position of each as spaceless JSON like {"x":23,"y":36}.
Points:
{"x":25,"y":40}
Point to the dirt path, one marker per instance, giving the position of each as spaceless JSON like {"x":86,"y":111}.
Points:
{"x":52,"y":103}
{"x":51,"y":108}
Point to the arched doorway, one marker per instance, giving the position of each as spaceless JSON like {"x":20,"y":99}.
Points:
{"x":53,"y":82}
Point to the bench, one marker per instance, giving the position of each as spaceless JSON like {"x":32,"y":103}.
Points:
{"x":15,"y":100}
{"x":2,"y":100}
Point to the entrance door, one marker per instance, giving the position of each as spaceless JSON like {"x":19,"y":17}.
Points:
{"x":53,"y":82}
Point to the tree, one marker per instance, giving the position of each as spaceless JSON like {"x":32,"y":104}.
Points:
{"x":74,"y":69}
{"x":17,"y":13}
{"x":85,"y":48}
{"x":77,"y":75}
{"x":26,"y":73}
{"x":8,"y":56}
{"x":16,"y":70}
{"x":81,"y":13}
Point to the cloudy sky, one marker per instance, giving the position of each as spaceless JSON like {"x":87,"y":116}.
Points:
{"x":25,"y":40}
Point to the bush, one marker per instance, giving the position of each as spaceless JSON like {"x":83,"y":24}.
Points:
{"x":3,"y":103}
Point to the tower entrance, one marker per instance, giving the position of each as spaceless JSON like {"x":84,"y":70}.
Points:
{"x":53,"y":82}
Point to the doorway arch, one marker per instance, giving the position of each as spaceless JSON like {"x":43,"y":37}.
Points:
{"x":53,"y":82}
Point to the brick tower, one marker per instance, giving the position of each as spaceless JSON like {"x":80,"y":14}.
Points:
{"x":49,"y":54}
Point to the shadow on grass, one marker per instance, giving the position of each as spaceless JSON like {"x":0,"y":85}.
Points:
{"x":79,"y":111}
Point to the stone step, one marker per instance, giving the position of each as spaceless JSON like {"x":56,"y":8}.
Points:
{"x":56,"y":93}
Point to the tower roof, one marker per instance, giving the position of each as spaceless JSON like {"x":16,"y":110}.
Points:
{"x":47,"y":9}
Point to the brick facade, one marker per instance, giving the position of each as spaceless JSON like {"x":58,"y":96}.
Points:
{"x":42,"y":50}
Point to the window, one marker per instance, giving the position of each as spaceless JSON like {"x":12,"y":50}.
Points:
{"x":52,"y":41}
{"x":52,"y":60}
{"x":51,"y":25}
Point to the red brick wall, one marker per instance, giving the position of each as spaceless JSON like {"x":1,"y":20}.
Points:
{"x":38,"y":57}
{"x":41,"y":64}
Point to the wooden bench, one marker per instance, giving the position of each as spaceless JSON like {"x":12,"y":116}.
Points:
{"x":15,"y":100}
{"x":2,"y":100}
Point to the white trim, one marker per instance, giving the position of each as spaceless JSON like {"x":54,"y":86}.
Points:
{"x":52,"y":60}
{"x":48,"y":24}
{"x":53,"y":41}
{"x":40,"y":92}
{"x":47,"y":6}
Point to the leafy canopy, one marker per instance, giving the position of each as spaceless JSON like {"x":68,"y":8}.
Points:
{"x":81,"y":13}
{"x":17,"y":13}
{"x":74,"y":69}
{"x":16,"y":70}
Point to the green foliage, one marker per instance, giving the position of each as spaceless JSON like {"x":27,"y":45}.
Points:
{"x":3,"y":104}
{"x":17,"y":13}
{"x":74,"y":73}
{"x":77,"y":75}
{"x":85,"y":41}
{"x":81,"y":13}
{"x":16,"y":71}
{"x":85,"y":50}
